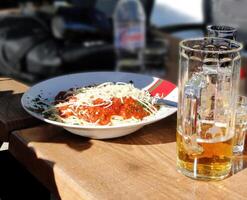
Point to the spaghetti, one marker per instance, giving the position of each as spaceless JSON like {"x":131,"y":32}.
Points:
{"x":105,"y":104}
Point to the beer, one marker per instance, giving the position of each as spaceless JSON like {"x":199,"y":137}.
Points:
{"x":208,"y":88}
{"x":207,"y":157}
{"x":240,"y":125}
{"x":240,"y":133}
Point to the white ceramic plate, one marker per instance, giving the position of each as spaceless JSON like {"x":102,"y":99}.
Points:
{"x":50,"y":88}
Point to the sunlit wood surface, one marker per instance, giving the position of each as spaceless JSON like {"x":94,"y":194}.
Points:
{"x":139,"y":166}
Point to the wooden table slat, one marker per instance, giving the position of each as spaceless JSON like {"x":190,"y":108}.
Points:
{"x":12,"y":115}
{"x":139,"y":166}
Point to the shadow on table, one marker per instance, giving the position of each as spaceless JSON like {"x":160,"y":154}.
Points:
{"x":16,"y":181}
{"x":6,"y":93}
{"x":26,"y":145}
{"x":12,"y":115}
{"x":160,"y":132}
{"x":5,"y":79}
{"x":56,"y":135}
{"x":48,"y":177}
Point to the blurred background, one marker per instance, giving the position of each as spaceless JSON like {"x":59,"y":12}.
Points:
{"x":45,"y":38}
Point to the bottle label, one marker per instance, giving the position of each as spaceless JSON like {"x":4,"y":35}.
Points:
{"x":131,"y":37}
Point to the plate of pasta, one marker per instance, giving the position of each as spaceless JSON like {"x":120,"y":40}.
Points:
{"x":100,"y":105}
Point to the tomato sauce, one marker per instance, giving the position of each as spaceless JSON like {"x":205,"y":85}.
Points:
{"x":102,"y":114}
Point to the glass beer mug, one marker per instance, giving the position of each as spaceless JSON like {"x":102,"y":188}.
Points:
{"x":208,"y":86}
{"x":222,"y":31}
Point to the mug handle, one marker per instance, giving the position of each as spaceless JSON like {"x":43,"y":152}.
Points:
{"x":190,"y":112}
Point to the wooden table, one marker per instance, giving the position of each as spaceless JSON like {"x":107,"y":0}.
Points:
{"x":12,"y":116}
{"x":138,"y":166}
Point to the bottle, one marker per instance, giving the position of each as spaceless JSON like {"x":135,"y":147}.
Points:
{"x":129,"y":36}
